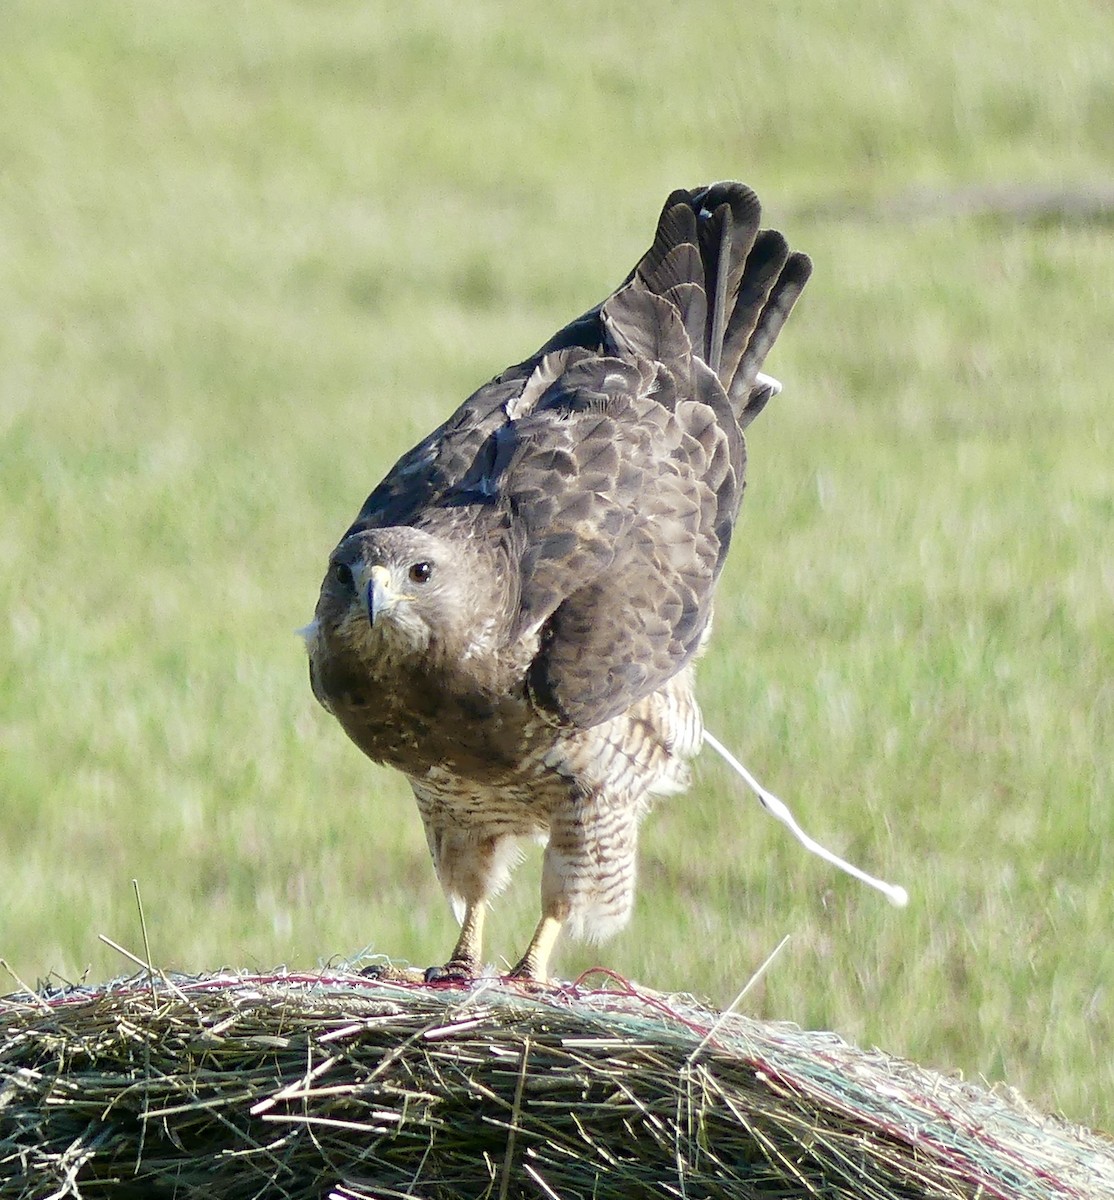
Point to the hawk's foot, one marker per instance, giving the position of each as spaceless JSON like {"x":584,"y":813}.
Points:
{"x":533,"y":966}
{"x":456,"y":970}
{"x":389,"y":973}
{"x":528,"y":979}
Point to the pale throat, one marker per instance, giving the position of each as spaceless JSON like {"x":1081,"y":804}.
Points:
{"x":397,"y":635}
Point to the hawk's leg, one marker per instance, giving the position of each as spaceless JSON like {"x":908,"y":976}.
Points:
{"x":464,"y":961}
{"x":587,"y":874}
{"x":471,"y":869}
{"x":534,"y":964}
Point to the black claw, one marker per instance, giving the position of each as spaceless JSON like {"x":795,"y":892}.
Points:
{"x":453,"y":971}
{"x":526,"y":970}
{"x":523,"y":974}
{"x":389,"y":973}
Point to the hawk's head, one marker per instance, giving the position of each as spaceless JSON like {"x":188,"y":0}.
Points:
{"x":393,"y":593}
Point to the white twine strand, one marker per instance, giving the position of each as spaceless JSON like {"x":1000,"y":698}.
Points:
{"x":894,"y":893}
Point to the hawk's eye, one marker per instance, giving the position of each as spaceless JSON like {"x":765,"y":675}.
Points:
{"x":342,"y":576}
{"x":420,"y":572}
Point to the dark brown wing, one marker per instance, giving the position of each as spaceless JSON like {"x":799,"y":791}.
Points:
{"x":425,"y":475}
{"x":446,"y":466}
{"x":616,"y":457}
{"x":616,"y":497}
{"x":630,"y":468}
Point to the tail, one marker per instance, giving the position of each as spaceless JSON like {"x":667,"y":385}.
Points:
{"x":728,"y":283}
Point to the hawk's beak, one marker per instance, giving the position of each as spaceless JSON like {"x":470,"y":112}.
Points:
{"x":381,"y":596}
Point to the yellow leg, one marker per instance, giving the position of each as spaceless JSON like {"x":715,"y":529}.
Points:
{"x":469,"y":946}
{"x":534,"y":963}
{"x":465,"y":958}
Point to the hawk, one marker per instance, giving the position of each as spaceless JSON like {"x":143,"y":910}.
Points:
{"x":511,"y":621}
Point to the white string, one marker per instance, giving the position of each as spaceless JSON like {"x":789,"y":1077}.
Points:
{"x":894,"y":893}
{"x":737,"y":1001}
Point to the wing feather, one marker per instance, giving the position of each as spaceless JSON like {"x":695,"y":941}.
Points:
{"x":611,"y":464}
{"x":621,"y":556}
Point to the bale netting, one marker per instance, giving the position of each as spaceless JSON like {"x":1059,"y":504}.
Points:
{"x":335,"y":1085}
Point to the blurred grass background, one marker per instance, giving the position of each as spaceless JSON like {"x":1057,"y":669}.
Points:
{"x":249,"y":253}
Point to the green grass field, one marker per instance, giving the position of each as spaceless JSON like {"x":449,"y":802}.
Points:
{"x":250,"y":253}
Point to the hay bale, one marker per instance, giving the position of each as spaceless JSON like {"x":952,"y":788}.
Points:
{"x":337,"y":1085}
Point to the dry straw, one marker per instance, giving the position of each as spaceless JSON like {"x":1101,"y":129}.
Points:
{"x":335,"y":1085}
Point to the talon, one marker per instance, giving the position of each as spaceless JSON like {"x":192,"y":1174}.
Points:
{"x":533,"y":966}
{"x":528,"y":979}
{"x":388,"y":973}
{"x":454,"y":971}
